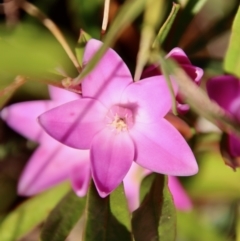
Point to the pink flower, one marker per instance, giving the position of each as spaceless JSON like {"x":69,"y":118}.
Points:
{"x":52,"y":162}
{"x":225,"y":90}
{"x":132,"y":183}
{"x":195,"y":73}
{"x":120,"y":122}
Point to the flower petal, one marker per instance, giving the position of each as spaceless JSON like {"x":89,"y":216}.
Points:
{"x":62,"y":95}
{"x":22,"y":117}
{"x":180,"y":197}
{"x":50,"y":164}
{"x":150,"y":98}
{"x":193,"y":72}
{"x":234,"y":145}
{"x":223,"y":89}
{"x":75,"y":123}
{"x":108,"y":79}
{"x":80,"y":177}
{"x":111,"y":157}
{"x":161,"y":148}
{"x":179,"y":55}
{"x":150,"y":71}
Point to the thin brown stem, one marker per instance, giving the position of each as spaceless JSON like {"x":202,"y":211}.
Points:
{"x":52,"y":27}
{"x":105,"y":17}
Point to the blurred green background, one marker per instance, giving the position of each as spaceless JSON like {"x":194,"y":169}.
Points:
{"x":202,"y":29}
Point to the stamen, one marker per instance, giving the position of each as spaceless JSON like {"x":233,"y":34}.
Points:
{"x":119,"y":118}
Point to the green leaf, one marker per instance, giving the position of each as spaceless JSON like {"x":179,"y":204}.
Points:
{"x":63,"y":218}
{"x":155,"y":219}
{"x":153,"y":15}
{"x":85,"y":15}
{"x":146,"y":186}
{"x":128,"y":12}
{"x":164,"y":30}
{"x":30,"y":214}
{"x":119,"y":206}
{"x":82,"y":41}
{"x":101,"y":224}
{"x":187,"y":14}
{"x":232,"y":59}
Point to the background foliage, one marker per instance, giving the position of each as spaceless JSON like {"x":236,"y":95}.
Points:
{"x":30,"y":58}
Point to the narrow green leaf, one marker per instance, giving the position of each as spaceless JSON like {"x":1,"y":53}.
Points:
{"x":187,"y":14}
{"x":164,"y":30}
{"x":101,"y":224}
{"x":119,"y":206}
{"x":146,"y":186}
{"x":30,"y":214}
{"x":63,"y":218}
{"x":155,"y":219}
{"x":153,"y":15}
{"x":232,"y":59}
{"x":128,"y":12}
{"x":82,"y":41}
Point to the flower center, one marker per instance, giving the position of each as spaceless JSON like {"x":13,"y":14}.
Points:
{"x":119,"y":118}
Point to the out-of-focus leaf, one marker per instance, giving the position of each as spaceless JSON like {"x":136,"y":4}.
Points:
{"x":13,"y":156}
{"x":31,"y":52}
{"x":238,"y":224}
{"x":153,"y":15}
{"x":101,"y":224}
{"x":86,"y":14}
{"x":7,"y":193}
{"x":7,"y":91}
{"x":164,"y":30}
{"x":82,"y":41}
{"x":63,"y":218}
{"x":188,"y":12}
{"x":128,"y":12}
{"x":155,"y":219}
{"x":232,"y":60}
{"x":191,"y":227}
{"x":215,"y":181}
{"x":217,"y":21}
{"x":119,"y":207}
{"x":30,"y":214}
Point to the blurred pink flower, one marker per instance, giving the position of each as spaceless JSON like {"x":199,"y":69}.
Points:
{"x":195,"y":73}
{"x":120,"y":121}
{"x":52,"y":162}
{"x":132,"y":183}
{"x":225,"y":90}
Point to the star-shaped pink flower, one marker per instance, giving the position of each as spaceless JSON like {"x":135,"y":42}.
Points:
{"x":194,"y":72}
{"x":52,"y":162}
{"x":120,"y":121}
